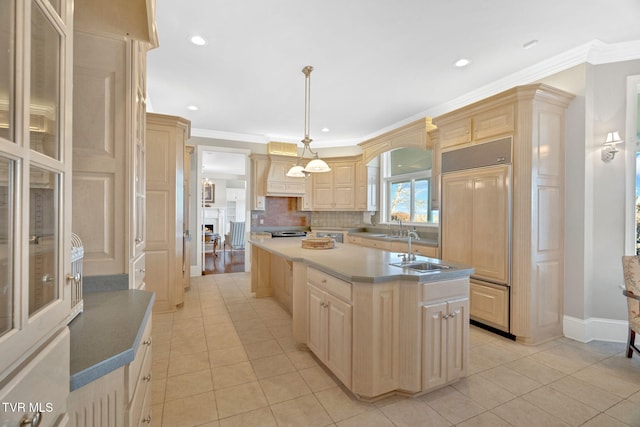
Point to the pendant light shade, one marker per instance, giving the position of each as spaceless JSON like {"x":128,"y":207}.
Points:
{"x":315,"y":165}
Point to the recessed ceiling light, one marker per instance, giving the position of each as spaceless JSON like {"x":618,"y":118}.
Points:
{"x":325,"y":129}
{"x":192,"y":108}
{"x":462,"y":62}
{"x":198,"y":40}
{"x":530,"y":44}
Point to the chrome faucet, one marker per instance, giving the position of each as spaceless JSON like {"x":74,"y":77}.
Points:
{"x":411,"y":233}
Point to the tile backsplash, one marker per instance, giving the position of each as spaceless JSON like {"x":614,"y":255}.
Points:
{"x":280,"y":211}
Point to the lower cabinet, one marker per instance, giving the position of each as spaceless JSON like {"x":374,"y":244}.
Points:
{"x":122,"y":398}
{"x":329,"y":329}
{"x":490,"y":304}
{"x":444,"y":340}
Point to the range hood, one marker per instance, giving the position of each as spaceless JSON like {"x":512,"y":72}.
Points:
{"x":281,"y":157}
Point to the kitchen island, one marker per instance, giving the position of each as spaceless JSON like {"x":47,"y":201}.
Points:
{"x":380,"y":328}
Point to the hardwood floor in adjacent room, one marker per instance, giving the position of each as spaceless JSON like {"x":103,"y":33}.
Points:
{"x":229,"y":261}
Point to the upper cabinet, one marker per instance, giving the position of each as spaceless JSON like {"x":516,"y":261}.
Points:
{"x":109,"y":150}
{"x":476,"y":128}
{"x":336,"y":189}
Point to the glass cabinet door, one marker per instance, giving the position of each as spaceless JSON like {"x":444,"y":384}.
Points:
{"x":6,"y":249}
{"x":7,"y":68}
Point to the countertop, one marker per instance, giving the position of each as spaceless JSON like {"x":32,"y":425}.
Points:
{"x":106,"y":334}
{"x":355,"y":263}
{"x":377,"y":236}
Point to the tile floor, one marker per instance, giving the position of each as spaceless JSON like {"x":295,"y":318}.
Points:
{"x":228,"y":359}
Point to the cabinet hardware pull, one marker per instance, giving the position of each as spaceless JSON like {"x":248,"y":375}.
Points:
{"x":452,"y":315}
{"x":148,"y":377}
{"x":147,"y":420}
{"x":74,"y":278}
{"x":445,"y":316}
{"x":324,"y":280}
{"x":147,"y":342}
{"x":33,"y":421}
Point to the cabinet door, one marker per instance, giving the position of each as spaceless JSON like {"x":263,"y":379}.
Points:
{"x":455,"y":133}
{"x":344,"y":183}
{"x":434,"y":336}
{"x":323,"y":190}
{"x":457,"y":203}
{"x":494,"y":122}
{"x":338,"y":335}
{"x":490,"y":220}
{"x":315,"y":321}
{"x":457,"y":328}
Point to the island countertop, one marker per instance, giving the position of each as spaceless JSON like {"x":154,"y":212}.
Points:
{"x":355,"y":263}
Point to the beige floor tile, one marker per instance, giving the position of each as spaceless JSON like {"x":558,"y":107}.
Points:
{"x":486,"y":419}
{"x":284,"y":387}
{"x":627,"y":412}
{"x":230,"y":375}
{"x":521,"y":413}
{"x":303,"y":411}
{"x":190,"y":411}
{"x":239,"y":399}
{"x":258,"y":350}
{"x":257,"y":418}
{"x":183,"y":364}
{"x":586,"y":393}
{"x":188,"y":345}
{"x":317,"y":379}
{"x":635,"y":398}
{"x":412,"y":412}
{"x":229,"y":356}
{"x":273,"y":365}
{"x":190,"y":384}
{"x":606,"y":379}
{"x":566,"y":408}
{"x":259,"y":334}
{"x":340,"y":405}
{"x":456,"y":407}
{"x":374,"y":418}
{"x":604,"y":420}
{"x":535,"y":370}
{"x":566,"y":358}
{"x":302,"y":359}
{"x":510,"y":380}
{"x":287,"y":343}
{"x":482,"y":391}
{"x":222,"y":339}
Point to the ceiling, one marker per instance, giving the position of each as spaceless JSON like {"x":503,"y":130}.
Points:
{"x":377,"y":63}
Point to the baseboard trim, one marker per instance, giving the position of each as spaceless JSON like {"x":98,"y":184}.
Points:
{"x":594,"y":328}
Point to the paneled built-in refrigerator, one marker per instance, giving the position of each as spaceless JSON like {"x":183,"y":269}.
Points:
{"x":476,"y":225}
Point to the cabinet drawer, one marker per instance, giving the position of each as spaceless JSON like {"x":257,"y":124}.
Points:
{"x":331,"y":284}
{"x":41,"y":386}
{"x":139,"y":271}
{"x":490,"y":304}
{"x":141,"y":394}
{"x":450,"y":289}
{"x":430,"y":251}
{"x":134,"y":370}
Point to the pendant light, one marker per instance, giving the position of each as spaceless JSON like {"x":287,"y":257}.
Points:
{"x":316,"y":165}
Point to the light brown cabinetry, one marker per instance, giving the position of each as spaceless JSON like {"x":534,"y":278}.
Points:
{"x":259,"y":171}
{"x":367,"y":186}
{"x":490,"y":304}
{"x":336,"y":189}
{"x":445,"y":329}
{"x":186,"y":251}
{"x":533,"y":116}
{"x":329,"y":322}
{"x":477,"y":128}
{"x":166,"y":139}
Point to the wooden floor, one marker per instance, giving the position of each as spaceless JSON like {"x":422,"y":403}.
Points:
{"x":225,"y":262}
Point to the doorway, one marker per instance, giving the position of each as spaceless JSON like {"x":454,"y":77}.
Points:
{"x":221,"y":209}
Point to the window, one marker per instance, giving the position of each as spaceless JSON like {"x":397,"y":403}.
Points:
{"x":406,"y":178}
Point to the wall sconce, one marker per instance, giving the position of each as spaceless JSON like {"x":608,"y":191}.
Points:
{"x":609,"y":150}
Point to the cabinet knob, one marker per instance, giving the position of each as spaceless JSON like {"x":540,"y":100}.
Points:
{"x":445,"y":316}
{"x":147,"y":420}
{"x":148,"y":377}
{"x":452,"y":314}
{"x":33,"y":421}
{"x":147,"y":342}
{"x":74,"y":278}
{"x":324,"y":280}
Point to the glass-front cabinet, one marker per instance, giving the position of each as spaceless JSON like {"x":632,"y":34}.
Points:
{"x":35,"y":182}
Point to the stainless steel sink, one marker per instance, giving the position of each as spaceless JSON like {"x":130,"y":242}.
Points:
{"x":421,"y":266}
